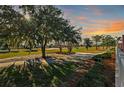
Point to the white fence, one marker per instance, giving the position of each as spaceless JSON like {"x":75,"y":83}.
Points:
{"x":119,"y":68}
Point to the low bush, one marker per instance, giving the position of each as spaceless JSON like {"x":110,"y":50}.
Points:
{"x":100,"y":57}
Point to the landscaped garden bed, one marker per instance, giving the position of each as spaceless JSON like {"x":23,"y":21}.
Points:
{"x":102,"y":74}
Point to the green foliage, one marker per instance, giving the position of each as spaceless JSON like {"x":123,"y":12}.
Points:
{"x":23,"y":52}
{"x":87,"y":42}
{"x":108,"y":41}
{"x":100,"y":57}
{"x":94,"y":78}
{"x":28,"y":29}
{"x":35,"y":75}
{"x":97,"y":39}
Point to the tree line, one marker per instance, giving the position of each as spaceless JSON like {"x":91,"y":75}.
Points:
{"x":106,"y":41}
{"x":36,"y":26}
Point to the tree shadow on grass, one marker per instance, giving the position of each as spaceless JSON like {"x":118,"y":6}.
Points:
{"x":35,"y":75}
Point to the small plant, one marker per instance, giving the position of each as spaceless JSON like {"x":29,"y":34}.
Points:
{"x":100,"y":57}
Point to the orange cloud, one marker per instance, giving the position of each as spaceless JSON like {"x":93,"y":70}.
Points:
{"x":81,"y":18}
{"x":109,"y":28}
{"x":116,"y":27}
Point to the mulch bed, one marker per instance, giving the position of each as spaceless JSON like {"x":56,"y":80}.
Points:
{"x":109,"y":72}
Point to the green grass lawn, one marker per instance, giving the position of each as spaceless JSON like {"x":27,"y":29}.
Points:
{"x":90,"y":50}
{"x":79,"y":49}
{"x":16,"y":54}
{"x":23,"y":52}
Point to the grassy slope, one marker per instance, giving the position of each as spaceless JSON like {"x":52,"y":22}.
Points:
{"x":13,"y":54}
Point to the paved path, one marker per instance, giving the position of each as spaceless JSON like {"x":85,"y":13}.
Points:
{"x":73,"y":57}
{"x":85,"y":55}
{"x":17,"y":60}
{"x":119,"y":68}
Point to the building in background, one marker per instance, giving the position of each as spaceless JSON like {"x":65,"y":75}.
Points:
{"x":121,"y":43}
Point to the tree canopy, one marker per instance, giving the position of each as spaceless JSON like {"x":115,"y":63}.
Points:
{"x":36,"y":26}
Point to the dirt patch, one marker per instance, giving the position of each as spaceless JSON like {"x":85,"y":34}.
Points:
{"x":82,"y":69}
{"x":109,"y":72}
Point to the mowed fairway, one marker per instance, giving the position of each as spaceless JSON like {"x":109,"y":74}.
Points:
{"x":50,"y":50}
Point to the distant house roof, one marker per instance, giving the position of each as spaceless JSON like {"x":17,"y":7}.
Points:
{"x":120,"y":42}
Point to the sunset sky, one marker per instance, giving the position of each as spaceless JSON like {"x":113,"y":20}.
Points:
{"x":96,"y":20}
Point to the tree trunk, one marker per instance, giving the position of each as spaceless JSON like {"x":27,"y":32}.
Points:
{"x":103,"y":46}
{"x":87,"y":48}
{"x":9,"y":49}
{"x":30,"y":50}
{"x":60,"y":48}
{"x":106,"y":47}
{"x":43,"y":49}
{"x":96,"y":48}
{"x":30,"y":47}
{"x":69,"y":49}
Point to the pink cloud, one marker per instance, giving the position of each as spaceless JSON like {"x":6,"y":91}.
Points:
{"x":81,"y":17}
{"x":109,"y":27}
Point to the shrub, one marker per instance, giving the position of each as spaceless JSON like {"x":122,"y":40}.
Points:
{"x":100,"y":57}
